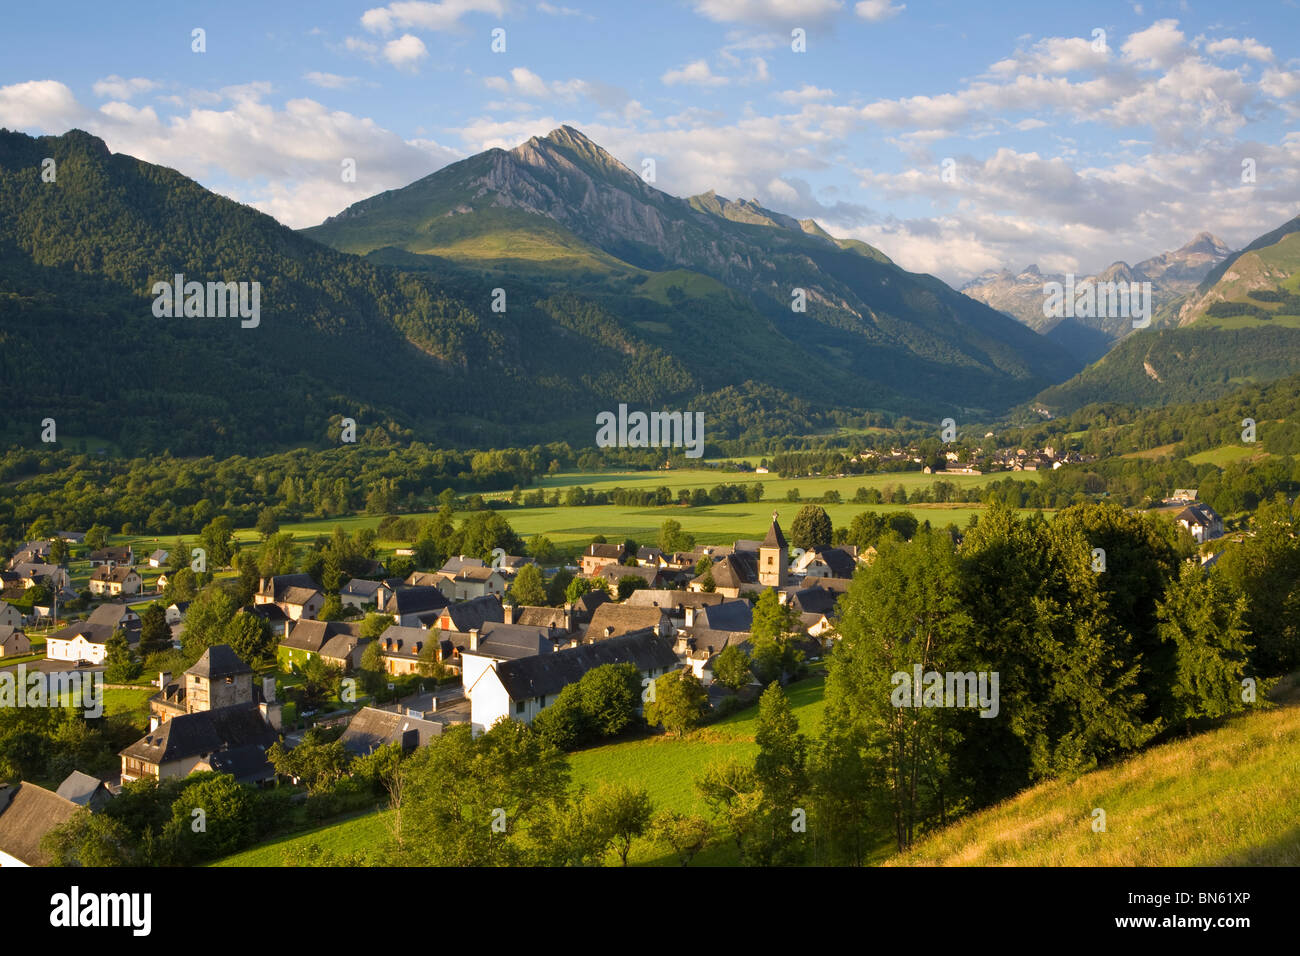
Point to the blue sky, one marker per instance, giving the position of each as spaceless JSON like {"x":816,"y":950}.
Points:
{"x":1066,"y":147}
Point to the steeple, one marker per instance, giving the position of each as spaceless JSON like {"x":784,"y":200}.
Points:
{"x":773,"y":557}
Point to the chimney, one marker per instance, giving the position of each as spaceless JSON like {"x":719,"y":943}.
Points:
{"x":473,"y":638}
{"x":512,"y":613}
{"x":609,"y":631}
{"x":268,"y":689}
{"x":164,"y":678}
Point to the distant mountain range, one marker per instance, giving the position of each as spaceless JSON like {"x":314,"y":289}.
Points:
{"x":1171,"y":274}
{"x":1240,"y":324}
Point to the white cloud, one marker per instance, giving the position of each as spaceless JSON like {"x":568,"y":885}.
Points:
{"x":42,"y":104}
{"x":877,"y":10}
{"x":1248,"y":47}
{"x":770,"y":13}
{"x":1157,"y":47}
{"x":555,"y":11}
{"x":697,"y":73}
{"x":329,"y":81}
{"x":405,"y":52}
{"x":417,"y":15}
{"x":115,"y":87}
{"x":805,"y":94}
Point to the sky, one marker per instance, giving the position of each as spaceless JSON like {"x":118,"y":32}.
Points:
{"x":958,"y":137}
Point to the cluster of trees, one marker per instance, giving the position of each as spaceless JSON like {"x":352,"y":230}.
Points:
{"x":604,"y":703}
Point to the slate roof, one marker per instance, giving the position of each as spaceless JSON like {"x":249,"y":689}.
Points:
{"x":27,"y":813}
{"x":550,"y":673}
{"x":311,"y":636}
{"x":298,"y":596}
{"x":586,"y":604}
{"x":671,"y":601}
{"x":246,"y":763}
{"x":118,"y":554}
{"x":615,"y":552}
{"x":400,"y":641}
{"x":372,"y":728}
{"x":114,"y":616}
{"x":341,"y":646}
{"x":203,"y":732}
{"x":93,"y":633}
{"x":622,"y":619}
{"x":423,"y":579}
{"x":613,"y":573}
{"x":415,"y":600}
{"x":775,"y":539}
{"x":118,"y":574}
{"x":509,"y":641}
{"x":275,"y":587}
{"x":813,"y":600}
{"x":455,"y":564}
{"x":219,"y":660}
{"x":736,"y":570}
{"x":537,"y":616}
{"x":79,"y":788}
{"x":728,"y":616}
{"x":361,"y":587}
{"x":1199,"y":514}
{"x":474,"y":613}
{"x":839,"y":561}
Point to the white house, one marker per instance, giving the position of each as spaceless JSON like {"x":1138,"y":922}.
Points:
{"x":115,"y":581}
{"x":79,"y":642}
{"x":522,"y":687}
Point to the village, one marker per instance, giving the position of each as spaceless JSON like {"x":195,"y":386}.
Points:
{"x":494,"y":659}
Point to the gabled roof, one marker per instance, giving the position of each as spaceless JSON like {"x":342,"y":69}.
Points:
{"x":8,"y":633}
{"x":401,"y":641}
{"x":219,"y":660}
{"x":313,"y":635}
{"x":341,"y":646}
{"x":615,"y":552}
{"x":114,"y":616}
{"x":118,"y":573}
{"x":415,"y":600}
{"x":734,"y":571}
{"x":613,"y":573}
{"x":80,"y":787}
{"x":509,"y":641}
{"x":275,"y":587}
{"x":372,"y":728}
{"x":474,"y":613}
{"x":839,"y":561}
{"x":1199,"y":514}
{"x":621,"y":619}
{"x":550,"y":673}
{"x":670,"y":601}
{"x":246,"y":763}
{"x":587,"y":603}
{"x":423,"y":579}
{"x":203,"y":732}
{"x":298,"y":596}
{"x":539,"y":616}
{"x":454,"y":565}
{"x":813,"y":600}
{"x":91,"y":633}
{"x":728,"y":616}
{"x":362,"y":587}
{"x":27,"y":813}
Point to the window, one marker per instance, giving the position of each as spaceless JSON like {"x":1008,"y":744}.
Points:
{"x":519,"y":707}
{"x":541,"y":701}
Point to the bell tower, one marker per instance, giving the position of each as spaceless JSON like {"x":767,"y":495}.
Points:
{"x":774,"y":558}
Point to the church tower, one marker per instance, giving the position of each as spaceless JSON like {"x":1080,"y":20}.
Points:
{"x":774,"y":558}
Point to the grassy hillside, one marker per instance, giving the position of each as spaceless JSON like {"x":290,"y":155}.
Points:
{"x":1228,"y":797}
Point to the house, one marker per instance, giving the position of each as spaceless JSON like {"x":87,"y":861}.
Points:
{"x":825,"y":563}
{"x":85,"y":791}
{"x":511,"y":564}
{"x":228,"y":739}
{"x":455,"y":564}
{"x":219,"y":679}
{"x":732,"y":575}
{"x":13,"y":642}
{"x":1202,"y":521}
{"x":176,"y":612}
{"x":10,"y":616}
{"x":471,"y":582}
{"x":79,"y":642}
{"x":35,"y":553}
{"x":344,"y":650}
{"x":586,"y":605}
{"x":400,"y":647}
{"x":295,"y":594}
{"x":372,"y":728}
{"x":360,"y":592}
{"x":30,"y":574}
{"x":411,"y":606}
{"x":425,"y":579}
{"x":681,"y":606}
{"x":613,"y":620}
{"x":650,"y":558}
{"x":477,"y":651}
{"x":27,"y":813}
{"x":71,"y":537}
{"x":813,"y":599}
{"x":306,"y":639}
{"x":116,"y":617}
{"x":598,"y":555}
{"x":113,"y":556}
{"x":614,"y":573}
{"x":115,"y":581}
{"x":465,"y":616}
{"x":214,"y":720}
{"x":521,"y":688}
{"x":528,"y":615}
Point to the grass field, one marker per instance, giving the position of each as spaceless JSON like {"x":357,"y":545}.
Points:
{"x":713,"y":524}
{"x":1225,"y":455}
{"x":1228,"y":797}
